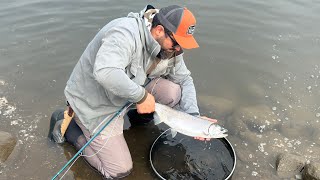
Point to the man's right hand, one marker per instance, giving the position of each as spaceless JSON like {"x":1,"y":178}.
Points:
{"x":147,"y":106}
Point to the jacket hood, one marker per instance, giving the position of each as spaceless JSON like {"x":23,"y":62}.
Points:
{"x":150,"y":44}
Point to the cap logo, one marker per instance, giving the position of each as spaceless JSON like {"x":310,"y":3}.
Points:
{"x":191,"y":29}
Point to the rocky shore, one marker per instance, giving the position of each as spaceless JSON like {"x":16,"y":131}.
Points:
{"x":269,"y":143}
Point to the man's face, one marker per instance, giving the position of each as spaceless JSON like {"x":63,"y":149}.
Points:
{"x":168,"y":45}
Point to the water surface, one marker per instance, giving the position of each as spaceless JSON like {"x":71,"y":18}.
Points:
{"x":251,"y":52}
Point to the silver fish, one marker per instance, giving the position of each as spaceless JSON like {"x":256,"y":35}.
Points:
{"x":187,"y":124}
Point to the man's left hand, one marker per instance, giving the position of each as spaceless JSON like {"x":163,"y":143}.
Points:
{"x":209,"y":119}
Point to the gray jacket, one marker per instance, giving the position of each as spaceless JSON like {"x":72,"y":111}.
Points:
{"x":112,"y":71}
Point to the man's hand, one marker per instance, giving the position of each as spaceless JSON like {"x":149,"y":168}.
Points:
{"x":147,"y":106}
{"x":209,"y":119}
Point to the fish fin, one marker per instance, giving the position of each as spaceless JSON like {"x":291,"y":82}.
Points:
{"x":205,"y":133}
{"x":173,"y":133}
{"x":156,"y":119}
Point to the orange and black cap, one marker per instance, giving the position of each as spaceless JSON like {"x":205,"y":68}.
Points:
{"x":181,"y":22}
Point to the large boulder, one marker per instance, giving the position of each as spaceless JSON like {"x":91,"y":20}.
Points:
{"x":289,"y":165}
{"x":311,"y":171}
{"x":7,"y":144}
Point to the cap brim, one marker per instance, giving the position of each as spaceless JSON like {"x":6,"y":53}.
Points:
{"x":186,"y":42}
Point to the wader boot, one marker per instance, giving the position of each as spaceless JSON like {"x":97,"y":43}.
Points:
{"x":55,"y":126}
{"x":139,"y":119}
{"x":72,"y":134}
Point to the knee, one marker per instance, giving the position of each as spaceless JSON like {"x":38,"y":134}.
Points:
{"x":165,"y":92}
{"x":126,"y":169}
{"x":173,"y":96}
{"x":122,"y":171}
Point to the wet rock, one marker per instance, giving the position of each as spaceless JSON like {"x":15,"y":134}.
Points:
{"x":257,"y":142}
{"x":218,"y":107}
{"x":250,"y":137}
{"x":311,"y":171}
{"x":289,"y":165}
{"x":245,"y":154}
{"x":261,"y":146}
{"x":304,"y":117}
{"x":235,"y":125}
{"x":310,"y":151}
{"x":257,"y":118}
{"x":294,"y":131}
{"x":277,"y":143}
{"x":7,"y":144}
{"x":297,"y":121}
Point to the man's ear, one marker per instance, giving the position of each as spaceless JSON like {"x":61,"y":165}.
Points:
{"x":159,"y":30}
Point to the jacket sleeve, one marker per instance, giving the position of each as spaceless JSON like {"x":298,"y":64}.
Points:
{"x":112,"y":58}
{"x":182,"y":76}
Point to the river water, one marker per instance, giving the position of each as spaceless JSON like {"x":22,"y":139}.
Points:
{"x":251,"y":53}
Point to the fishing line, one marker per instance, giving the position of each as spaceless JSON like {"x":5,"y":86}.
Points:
{"x":69,"y":167}
{"x":126,"y":106}
{"x":114,"y":125}
{"x":154,"y":85}
{"x":88,"y":156}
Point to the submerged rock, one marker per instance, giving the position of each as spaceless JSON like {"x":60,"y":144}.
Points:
{"x":289,"y":165}
{"x":255,"y":118}
{"x":311,"y":171}
{"x":294,"y":131}
{"x":260,"y":117}
{"x":217,"y":106}
{"x":235,"y":125}
{"x":250,"y":137}
{"x":7,"y":144}
{"x":245,"y":154}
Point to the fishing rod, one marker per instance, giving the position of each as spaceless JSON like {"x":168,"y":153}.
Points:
{"x":127,"y":105}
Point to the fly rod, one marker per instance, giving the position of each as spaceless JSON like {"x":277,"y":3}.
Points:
{"x":128,"y":104}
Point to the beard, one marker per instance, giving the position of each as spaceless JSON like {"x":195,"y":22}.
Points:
{"x":163,"y":54}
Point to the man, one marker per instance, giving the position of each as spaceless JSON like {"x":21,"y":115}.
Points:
{"x":115,"y":66}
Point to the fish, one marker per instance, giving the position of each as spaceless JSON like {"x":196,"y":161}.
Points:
{"x":187,"y":124}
